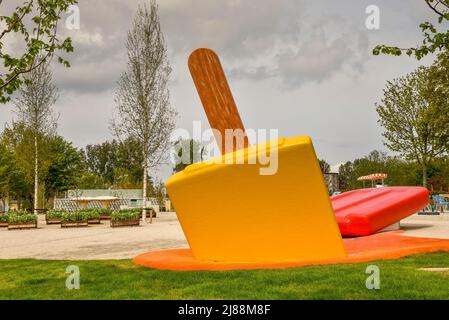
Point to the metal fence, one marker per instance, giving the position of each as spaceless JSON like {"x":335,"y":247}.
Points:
{"x":72,"y":205}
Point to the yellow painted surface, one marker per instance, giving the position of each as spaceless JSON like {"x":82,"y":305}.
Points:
{"x":232,"y":213}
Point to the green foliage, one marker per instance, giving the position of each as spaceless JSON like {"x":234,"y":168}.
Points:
{"x":20,"y":213}
{"x":60,"y":164}
{"x":415,"y":118}
{"x":3,"y":217}
{"x":126,"y":215}
{"x":20,"y":217}
{"x":325,"y":167}
{"x":20,"y":140}
{"x":89,"y":180}
{"x":113,"y":163}
{"x":35,"y":23}
{"x":137,"y":210}
{"x":400,"y":172}
{"x":104,"y":212}
{"x":435,"y":39}
{"x":12,"y":175}
{"x":187,"y":152}
{"x":65,"y":166}
{"x":79,"y":216}
{"x":55,"y":214}
{"x":90,"y":213}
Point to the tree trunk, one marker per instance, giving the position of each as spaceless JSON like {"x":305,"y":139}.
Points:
{"x":7,"y":203}
{"x":145,"y":184}
{"x":424,"y":175}
{"x":36,"y":176}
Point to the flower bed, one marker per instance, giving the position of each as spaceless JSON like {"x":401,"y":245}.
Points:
{"x":125,"y":218}
{"x":21,"y":220}
{"x":93,"y":216}
{"x":75,"y":219}
{"x":74,"y":224}
{"x":139,"y":211}
{"x":3,"y":220}
{"x":105,"y":214}
{"x":54,"y":217}
{"x":80,"y":218}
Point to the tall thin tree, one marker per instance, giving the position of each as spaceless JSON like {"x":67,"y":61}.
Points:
{"x":34,"y":108}
{"x":143,"y":112}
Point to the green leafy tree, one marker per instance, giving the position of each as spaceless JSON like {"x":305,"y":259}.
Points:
{"x":117,"y":163}
{"x":435,"y":39}
{"x":20,"y":139}
{"x":325,"y":167}
{"x":89,"y":180}
{"x":187,"y":152}
{"x":101,"y":160}
{"x":65,"y":167}
{"x":35,"y":22}
{"x":61,"y":165}
{"x":129,"y":160}
{"x":414,"y":125}
{"x":12,"y":177}
{"x":400,"y":172}
{"x":346,"y":176}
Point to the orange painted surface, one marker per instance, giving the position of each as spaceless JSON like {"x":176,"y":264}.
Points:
{"x":387,"y":245}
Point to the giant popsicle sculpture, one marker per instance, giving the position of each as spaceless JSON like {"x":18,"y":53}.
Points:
{"x":244,"y":211}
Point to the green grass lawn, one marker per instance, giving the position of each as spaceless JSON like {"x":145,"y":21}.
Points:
{"x":400,"y":279}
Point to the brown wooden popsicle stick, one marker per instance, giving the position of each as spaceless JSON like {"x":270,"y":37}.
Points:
{"x":216,"y":97}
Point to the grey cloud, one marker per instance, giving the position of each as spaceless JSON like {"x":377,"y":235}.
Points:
{"x":256,"y":38}
{"x":315,"y":60}
{"x":266,"y":39}
{"x":317,"y":49}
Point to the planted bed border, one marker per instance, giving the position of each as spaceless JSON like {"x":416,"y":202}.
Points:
{"x":22,"y":225}
{"x":74,"y":224}
{"x":125,"y":223}
{"x":52,"y":221}
{"x":94,"y":221}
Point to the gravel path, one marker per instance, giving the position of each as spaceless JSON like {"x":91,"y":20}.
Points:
{"x":99,"y":242}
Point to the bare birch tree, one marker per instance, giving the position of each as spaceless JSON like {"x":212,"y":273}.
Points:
{"x":34,"y":108}
{"x":143,"y":112}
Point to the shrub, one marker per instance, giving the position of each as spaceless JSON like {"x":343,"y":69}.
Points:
{"x":95,"y":213}
{"x":21,"y":218}
{"x":90,"y":213}
{"x":125,"y":215}
{"x":104,"y":212}
{"x":3,"y":217}
{"x":139,"y":211}
{"x":19,"y":213}
{"x":55,"y":214}
{"x":75,"y":216}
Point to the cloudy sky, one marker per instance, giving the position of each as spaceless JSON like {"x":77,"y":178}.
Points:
{"x":300,"y":66}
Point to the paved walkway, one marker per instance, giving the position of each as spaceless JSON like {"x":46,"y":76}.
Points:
{"x":427,"y":226}
{"x":93,"y":243}
{"x":103,"y":242}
